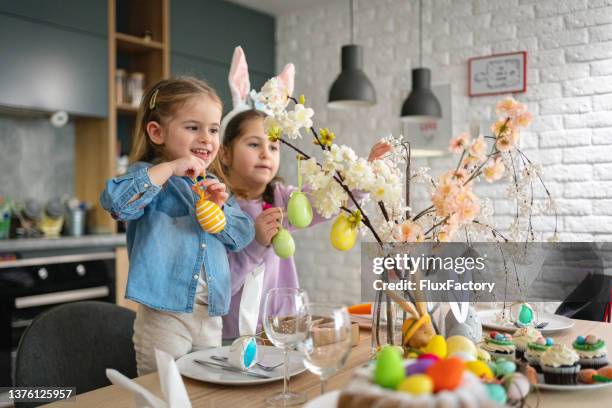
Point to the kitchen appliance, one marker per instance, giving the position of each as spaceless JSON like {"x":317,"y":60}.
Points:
{"x":32,"y":285}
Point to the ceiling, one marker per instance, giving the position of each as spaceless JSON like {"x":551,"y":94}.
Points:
{"x":278,"y":7}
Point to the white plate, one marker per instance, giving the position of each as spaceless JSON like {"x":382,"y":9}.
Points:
{"x":269,"y":356}
{"x":577,"y":387}
{"x":327,"y":400}
{"x":556,"y":323}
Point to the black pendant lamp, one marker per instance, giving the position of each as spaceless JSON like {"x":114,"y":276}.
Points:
{"x":352,"y":88}
{"x":421,"y":105}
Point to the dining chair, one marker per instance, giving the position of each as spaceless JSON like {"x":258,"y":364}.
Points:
{"x":73,"y":344}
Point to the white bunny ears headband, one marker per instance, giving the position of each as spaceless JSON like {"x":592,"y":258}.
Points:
{"x":243,"y":98}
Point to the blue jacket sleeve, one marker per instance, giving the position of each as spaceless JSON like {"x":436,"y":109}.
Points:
{"x":135,"y":185}
{"x":239,"y":229}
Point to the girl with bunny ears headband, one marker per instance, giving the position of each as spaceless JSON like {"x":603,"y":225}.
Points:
{"x":250,"y":163}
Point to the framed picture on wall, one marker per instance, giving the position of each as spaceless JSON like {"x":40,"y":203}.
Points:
{"x":497,"y":74}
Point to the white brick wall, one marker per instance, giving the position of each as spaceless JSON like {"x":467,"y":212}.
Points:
{"x":569,"y":45}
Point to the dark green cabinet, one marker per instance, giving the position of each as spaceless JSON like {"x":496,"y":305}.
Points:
{"x":84,"y":15}
{"x":49,"y":68}
{"x":204,"y":33}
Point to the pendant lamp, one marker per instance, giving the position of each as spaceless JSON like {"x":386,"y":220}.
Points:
{"x":352,"y":88}
{"x":421,"y":105}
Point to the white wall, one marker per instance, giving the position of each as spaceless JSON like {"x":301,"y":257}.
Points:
{"x":569,"y":45}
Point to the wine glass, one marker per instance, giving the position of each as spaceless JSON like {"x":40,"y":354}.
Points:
{"x":328,"y":341}
{"x":285,"y":322}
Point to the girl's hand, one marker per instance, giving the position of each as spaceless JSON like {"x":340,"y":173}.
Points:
{"x":267,"y":224}
{"x":216,"y":191}
{"x":379,"y":150}
{"x":189,"y":166}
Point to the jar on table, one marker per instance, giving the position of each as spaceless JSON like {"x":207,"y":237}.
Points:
{"x":120,"y":85}
{"x":136,"y":84}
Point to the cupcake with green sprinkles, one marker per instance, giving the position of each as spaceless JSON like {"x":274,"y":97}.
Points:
{"x":591,"y":350}
{"x":535,"y":350}
{"x":499,"y":345}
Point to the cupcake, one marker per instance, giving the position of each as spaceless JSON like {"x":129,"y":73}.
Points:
{"x":522,"y":337}
{"x":592,"y":351}
{"x":535,"y":350}
{"x":499,"y":345}
{"x":560,"y":365}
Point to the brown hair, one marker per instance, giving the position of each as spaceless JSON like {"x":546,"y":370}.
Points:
{"x":233,"y":131}
{"x":159,"y":104}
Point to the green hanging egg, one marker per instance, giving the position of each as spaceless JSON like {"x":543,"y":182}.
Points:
{"x":299,"y":210}
{"x":525,"y":315}
{"x":283,"y":244}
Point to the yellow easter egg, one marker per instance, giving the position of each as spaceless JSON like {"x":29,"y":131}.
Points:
{"x":210,"y":216}
{"x":456,"y":344}
{"x":437,"y":346}
{"x":343,"y":235}
{"x":416,"y":384}
{"x":479,"y":369}
{"x":483,"y":355}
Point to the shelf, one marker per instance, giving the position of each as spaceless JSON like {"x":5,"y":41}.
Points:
{"x":127,"y":109}
{"x":130,"y":43}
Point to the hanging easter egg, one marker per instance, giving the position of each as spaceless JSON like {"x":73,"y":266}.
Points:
{"x":299,"y":210}
{"x":525,"y":316}
{"x":209,"y":215}
{"x":344,"y":231}
{"x":283,"y":244}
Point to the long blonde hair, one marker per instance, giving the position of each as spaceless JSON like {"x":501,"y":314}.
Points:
{"x":159,"y":104}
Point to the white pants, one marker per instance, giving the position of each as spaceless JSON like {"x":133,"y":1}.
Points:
{"x":175,"y":333}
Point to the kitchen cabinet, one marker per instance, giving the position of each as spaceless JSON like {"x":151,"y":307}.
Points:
{"x":49,"y":68}
{"x":82,"y":15}
{"x":204,"y":34}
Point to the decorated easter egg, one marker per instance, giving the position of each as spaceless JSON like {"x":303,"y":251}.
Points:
{"x":497,"y":393}
{"x":480,"y":369}
{"x":437,"y":346}
{"x":580,"y":339}
{"x":446,"y":374}
{"x":429,"y":356}
{"x":419,"y":366}
{"x":299,"y":210}
{"x":455,"y":344}
{"x":525,"y":316}
{"x":389,"y":369}
{"x":590,"y":339}
{"x":483,"y":355}
{"x":503,"y":367}
{"x":210,"y":216}
{"x":463,"y":355}
{"x":283,"y":244}
{"x":343,"y":234}
{"x":517,"y":387}
{"x":586,"y":376}
{"x":416,"y":384}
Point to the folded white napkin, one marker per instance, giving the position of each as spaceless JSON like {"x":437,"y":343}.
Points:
{"x":172,"y":386}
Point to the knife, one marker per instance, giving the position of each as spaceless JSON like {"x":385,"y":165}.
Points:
{"x":230,"y":368}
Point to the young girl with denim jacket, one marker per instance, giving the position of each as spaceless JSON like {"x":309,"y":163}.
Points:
{"x":179,"y":273}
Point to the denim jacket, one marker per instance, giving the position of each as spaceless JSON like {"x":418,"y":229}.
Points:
{"x":166,"y":245}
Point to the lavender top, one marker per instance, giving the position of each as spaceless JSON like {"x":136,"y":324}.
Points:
{"x":279,"y":273}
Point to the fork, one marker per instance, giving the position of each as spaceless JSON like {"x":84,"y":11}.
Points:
{"x":259,"y":365}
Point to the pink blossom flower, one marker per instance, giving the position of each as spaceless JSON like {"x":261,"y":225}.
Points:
{"x":457,"y":144}
{"x":494,"y":171}
{"x":411,"y":232}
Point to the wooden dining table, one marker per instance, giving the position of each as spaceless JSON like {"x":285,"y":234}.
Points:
{"x":211,"y":395}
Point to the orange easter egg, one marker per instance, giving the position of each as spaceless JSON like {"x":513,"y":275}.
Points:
{"x":446,"y":374}
{"x":605,"y":371}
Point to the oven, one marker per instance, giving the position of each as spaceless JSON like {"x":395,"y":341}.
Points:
{"x":29,"y":286}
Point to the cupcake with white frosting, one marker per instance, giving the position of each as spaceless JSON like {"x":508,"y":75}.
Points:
{"x":522,"y":337}
{"x":499,"y":345}
{"x":592,"y":351}
{"x":560,"y":365}
{"x":535,"y":350}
